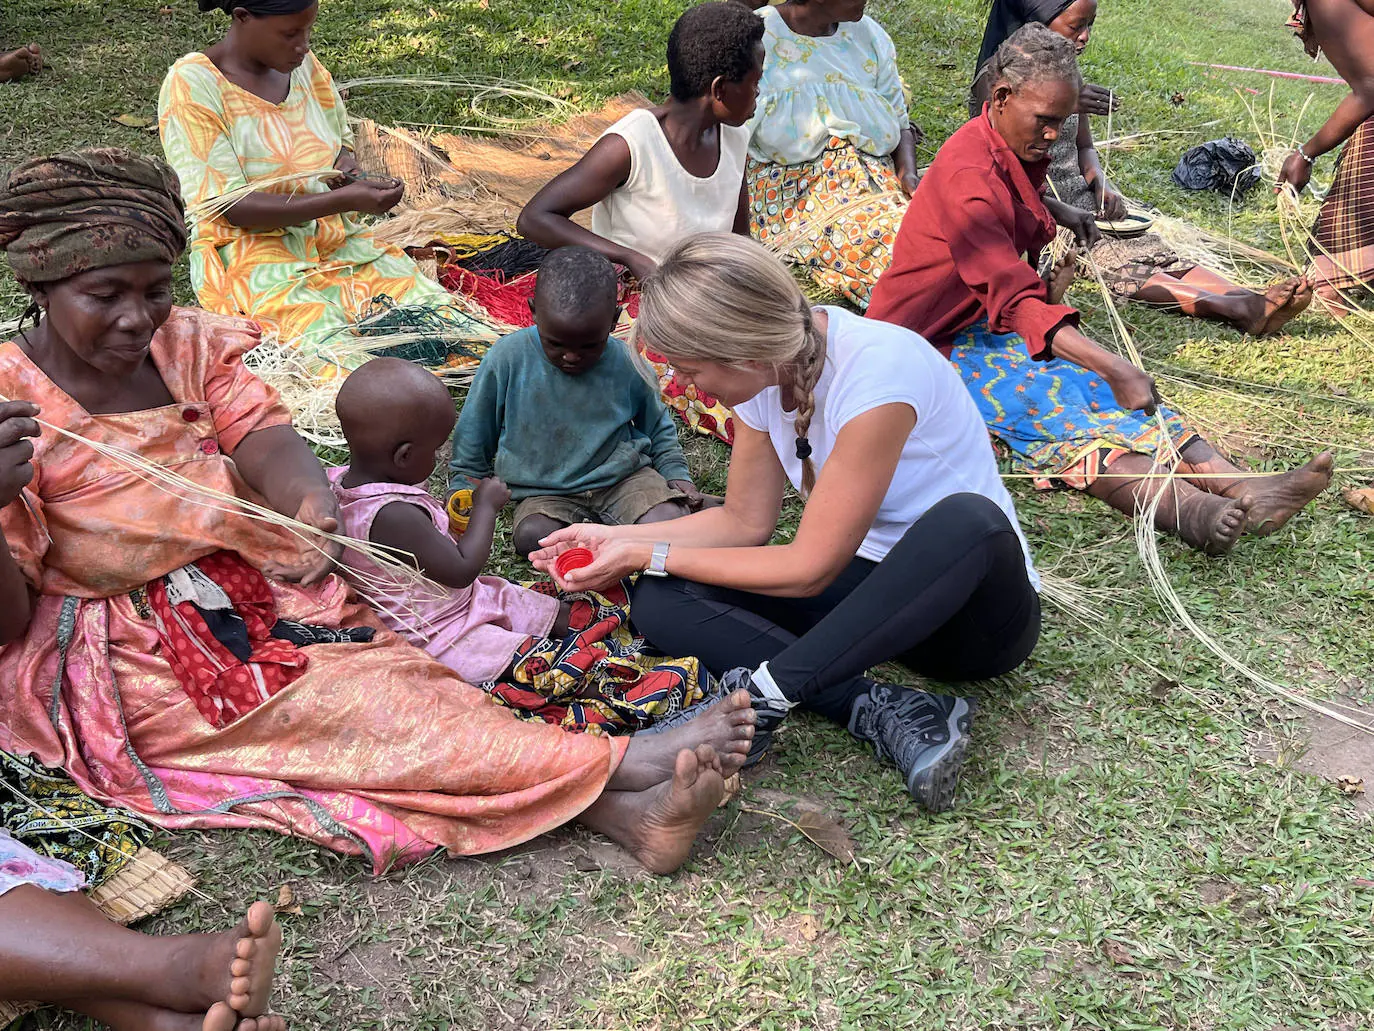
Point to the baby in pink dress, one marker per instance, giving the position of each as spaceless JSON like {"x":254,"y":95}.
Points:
{"x":396,"y":416}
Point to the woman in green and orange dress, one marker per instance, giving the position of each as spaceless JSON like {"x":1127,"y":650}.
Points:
{"x":258,"y":108}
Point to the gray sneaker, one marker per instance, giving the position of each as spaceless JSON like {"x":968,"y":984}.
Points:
{"x":925,"y":735}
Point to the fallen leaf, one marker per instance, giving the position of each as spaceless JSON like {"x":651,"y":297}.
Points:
{"x":1117,"y":953}
{"x":1361,"y":500}
{"x":585,"y":864}
{"x":1363,"y":882}
{"x":809,"y":927}
{"x":1350,"y":785}
{"x":286,"y":901}
{"x":483,"y":4}
{"x":166,"y":12}
{"x":1178,"y":99}
{"x":1212,"y":739}
{"x":826,"y":834}
{"x":133,"y":121}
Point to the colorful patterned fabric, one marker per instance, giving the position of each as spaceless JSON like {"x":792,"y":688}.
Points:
{"x":89,"y":209}
{"x":598,"y":679}
{"x":1056,"y":419}
{"x":311,"y":283}
{"x":816,"y":87}
{"x":700,"y":411}
{"x":20,"y":864}
{"x":813,"y":213}
{"x":64,"y":838}
{"x":1342,"y":245}
{"x":376,"y":750}
{"x":227,"y":674}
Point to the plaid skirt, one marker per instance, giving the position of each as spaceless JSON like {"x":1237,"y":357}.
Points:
{"x":1058,"y":421}
{"x":815,"y":213}
{"x":1342,"y":246}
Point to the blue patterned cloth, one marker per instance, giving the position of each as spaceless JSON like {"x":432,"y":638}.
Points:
{"x":1056,"y":418}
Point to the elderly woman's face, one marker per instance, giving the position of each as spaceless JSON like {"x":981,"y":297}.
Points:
{"x":1030,"y":119}
{"x":107,"y":317}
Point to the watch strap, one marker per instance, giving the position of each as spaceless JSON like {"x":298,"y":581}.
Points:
{"x":658,"y":562}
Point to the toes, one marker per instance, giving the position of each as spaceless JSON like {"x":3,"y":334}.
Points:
{"x":261,"y":916}
{"x":240,"y":968}
{"x":740,"y":700}
{"x":219,"y":1018}
{"x":244,"y":949}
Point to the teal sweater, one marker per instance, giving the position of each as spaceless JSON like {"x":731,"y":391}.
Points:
{"x":545,"y":432}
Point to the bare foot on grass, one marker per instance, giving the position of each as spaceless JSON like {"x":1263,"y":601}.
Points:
{"x":1211,"y":523}
{"x":20,"y":63}
{"x":677,"y":809}
{"x":1276,"y":499}
{"x":727,"y":727}
{"x":1282,"y":303}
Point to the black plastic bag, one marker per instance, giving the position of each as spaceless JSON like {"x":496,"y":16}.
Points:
{"x":1227,"y":166}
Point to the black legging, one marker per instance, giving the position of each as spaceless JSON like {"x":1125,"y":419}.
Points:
{"x":951,"y":600}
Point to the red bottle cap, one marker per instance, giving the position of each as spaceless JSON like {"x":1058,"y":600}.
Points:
{"x":573,"y":558}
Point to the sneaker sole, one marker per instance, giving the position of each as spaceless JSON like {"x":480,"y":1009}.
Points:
{"x":933,"y":786}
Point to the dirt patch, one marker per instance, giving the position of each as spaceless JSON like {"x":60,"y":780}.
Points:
{"x":1329,"y":749}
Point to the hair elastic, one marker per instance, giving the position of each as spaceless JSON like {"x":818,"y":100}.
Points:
{"x":803,"y":449}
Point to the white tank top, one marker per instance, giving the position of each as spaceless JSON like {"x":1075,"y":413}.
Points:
{"x":661,"y":202}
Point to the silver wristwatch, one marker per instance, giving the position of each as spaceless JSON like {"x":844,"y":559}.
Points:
{"x":658,"y":564}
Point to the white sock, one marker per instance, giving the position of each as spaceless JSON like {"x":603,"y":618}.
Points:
{"x":763,"y":680}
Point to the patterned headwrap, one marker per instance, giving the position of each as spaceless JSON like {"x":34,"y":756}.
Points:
{"x":88,"y":209}
{"x":1302,"y":28}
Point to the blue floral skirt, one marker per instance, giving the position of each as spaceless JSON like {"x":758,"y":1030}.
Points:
{"x":1058,"y":420}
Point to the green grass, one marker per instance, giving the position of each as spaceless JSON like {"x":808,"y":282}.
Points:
{"x":1121,"y":787}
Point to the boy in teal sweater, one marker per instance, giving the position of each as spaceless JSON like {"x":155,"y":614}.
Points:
{"x":561,"y":413}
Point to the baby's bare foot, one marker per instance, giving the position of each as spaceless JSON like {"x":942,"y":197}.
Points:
{"x":1276,"y":499}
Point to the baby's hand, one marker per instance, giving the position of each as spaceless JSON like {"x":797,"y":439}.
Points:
{"x":491,"y":493}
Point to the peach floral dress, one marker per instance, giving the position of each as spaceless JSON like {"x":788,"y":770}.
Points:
{"x":376,"y":749}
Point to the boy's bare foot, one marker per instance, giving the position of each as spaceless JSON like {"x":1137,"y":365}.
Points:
{"x":1271,"y":311}
{"x":1211,"y":523}
{"x":676,"y":809}
{"x":1276,"y":499}
{"x":727,"y":727}
{"x":22,"y":62}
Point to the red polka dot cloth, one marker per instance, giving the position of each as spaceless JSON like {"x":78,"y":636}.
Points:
{"x":231,"y":672}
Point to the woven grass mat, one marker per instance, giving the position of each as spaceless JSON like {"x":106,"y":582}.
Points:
{"x":470,"y":184}
{"x":147,"y":885}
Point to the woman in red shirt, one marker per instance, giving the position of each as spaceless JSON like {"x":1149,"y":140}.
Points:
{"x":1068,"y":410}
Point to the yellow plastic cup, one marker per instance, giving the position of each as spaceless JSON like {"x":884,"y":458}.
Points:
{"x":459,"y":511}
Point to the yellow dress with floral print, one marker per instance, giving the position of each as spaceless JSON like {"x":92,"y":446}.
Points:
{"x":309,"y":283}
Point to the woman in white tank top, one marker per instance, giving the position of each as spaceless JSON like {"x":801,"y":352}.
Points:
{"x":666,"y":172}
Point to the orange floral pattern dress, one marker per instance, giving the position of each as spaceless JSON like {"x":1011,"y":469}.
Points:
{"x":310,"y":283}
{"x":376,"y":749}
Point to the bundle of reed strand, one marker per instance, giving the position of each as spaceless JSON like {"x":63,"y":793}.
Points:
{"x":484,"y":90}
{"x":397,"y":565}
{"x":1147,"y":542}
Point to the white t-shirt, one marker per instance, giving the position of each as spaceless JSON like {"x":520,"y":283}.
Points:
{"x":661,"y":202}
{"x":868,"y":364}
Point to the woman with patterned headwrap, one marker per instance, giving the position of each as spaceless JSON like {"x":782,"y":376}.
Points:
{"x":144,"y":651}
{"x":257,"y":109}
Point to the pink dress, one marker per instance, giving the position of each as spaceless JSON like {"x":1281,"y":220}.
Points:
{"x":473,"y":630}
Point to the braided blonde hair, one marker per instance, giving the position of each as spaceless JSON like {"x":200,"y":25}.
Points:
{"x":722,"y":298}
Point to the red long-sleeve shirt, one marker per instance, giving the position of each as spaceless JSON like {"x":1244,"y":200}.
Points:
{"x":958,"y":256}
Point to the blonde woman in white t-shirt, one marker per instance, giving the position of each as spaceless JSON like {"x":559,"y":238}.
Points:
{"x":662,"y":173}
{"x":908,"y":548}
